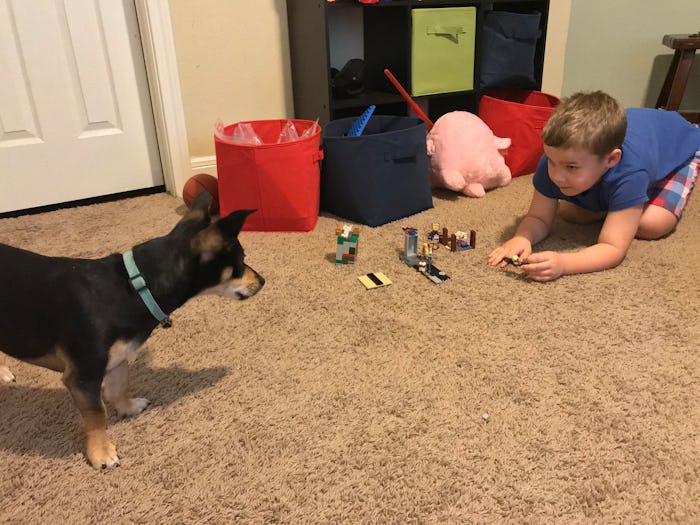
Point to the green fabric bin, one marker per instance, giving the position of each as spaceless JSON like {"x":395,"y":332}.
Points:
{"x":442,"y":55}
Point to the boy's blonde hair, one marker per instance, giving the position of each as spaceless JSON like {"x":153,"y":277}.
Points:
{"x":594,"y":122}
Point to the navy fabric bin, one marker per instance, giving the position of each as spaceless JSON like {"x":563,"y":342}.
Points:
{"x":379,"y":176}
{"x":508,"y":43}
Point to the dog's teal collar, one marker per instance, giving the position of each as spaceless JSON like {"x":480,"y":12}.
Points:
{"x":139,"y":284}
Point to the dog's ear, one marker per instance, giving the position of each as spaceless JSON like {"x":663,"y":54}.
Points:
{"x":231,"y":225}
{"x":202,"y":202}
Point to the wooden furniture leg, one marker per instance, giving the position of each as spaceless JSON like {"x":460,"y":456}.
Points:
{"x":684,"y":47}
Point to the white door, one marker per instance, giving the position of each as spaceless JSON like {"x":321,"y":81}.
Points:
{"x":75,"y":114}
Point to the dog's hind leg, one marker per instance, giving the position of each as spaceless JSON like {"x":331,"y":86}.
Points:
{"x":115,"y":391}
{"x":87,"y":397}
{"x":5,"y":375}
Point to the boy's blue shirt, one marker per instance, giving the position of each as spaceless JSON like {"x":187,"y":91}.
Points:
{"x":657,"y":143}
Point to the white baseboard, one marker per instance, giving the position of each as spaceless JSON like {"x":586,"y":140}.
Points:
{"x":203,"y":165}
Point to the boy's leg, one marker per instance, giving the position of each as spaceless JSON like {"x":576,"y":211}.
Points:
{"x":666,"y":207}
{"x":572,"y":213}
{"x":656,"y":222}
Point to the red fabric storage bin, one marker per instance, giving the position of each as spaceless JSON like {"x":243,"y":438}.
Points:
{"x":519,"y":115}
{"x":281,"y":181}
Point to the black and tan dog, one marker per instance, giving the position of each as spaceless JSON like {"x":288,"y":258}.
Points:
{"x":85,"y":317}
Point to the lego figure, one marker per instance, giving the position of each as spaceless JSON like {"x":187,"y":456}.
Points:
{"x":347,"y":239}
{"x":426,"y":259}
{"x":434,"y":237}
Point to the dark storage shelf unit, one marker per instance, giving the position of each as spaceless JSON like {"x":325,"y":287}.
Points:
{"x":325,"y":35}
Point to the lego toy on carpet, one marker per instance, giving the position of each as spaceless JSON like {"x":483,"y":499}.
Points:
{"x":196,"y":184}
{"x":374,"y":280}
{"x":421,"y":261}
{"x":347,"y":238}
{"x":465,"y":155}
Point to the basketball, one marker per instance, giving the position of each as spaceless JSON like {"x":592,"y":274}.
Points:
{"x":196,"y":184}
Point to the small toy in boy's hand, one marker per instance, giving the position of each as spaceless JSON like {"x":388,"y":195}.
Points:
{"x":514,"y":260}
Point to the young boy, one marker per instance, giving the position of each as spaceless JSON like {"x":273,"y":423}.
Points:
{"x":633,"y":169}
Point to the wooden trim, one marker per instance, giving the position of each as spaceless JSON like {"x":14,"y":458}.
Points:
{"x":203,"y":165}
{"x":164,"y":84}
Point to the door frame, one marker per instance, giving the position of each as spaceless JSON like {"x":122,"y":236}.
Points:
{"x":158,"y":43}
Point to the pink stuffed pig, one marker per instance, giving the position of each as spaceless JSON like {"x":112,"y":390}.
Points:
{"x":465,"y":155}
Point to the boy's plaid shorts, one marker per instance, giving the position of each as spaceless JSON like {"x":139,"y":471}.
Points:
{"x":674,"y":190}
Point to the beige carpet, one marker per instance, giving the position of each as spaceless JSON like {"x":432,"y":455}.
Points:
{"x":318,"y":401}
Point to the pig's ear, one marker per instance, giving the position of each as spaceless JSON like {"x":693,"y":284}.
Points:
{"x":430,"y":144}
{"x":502,"y":145}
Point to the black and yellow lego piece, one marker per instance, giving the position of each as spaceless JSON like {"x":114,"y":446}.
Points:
{"x":374,"y":280}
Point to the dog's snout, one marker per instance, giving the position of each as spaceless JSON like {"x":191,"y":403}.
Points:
{"x":260,"y":279}
{"x":252,"y":282}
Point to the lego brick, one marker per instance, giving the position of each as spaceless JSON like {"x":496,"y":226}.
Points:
{"x":374,"y":280}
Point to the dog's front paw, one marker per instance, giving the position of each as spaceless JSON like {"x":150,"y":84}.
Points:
{"x":5,"y":375}
{"x":132,"y":407}
{"x":103,"y":455}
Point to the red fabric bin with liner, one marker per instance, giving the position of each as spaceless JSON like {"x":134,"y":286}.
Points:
{"x":280,"y":180}
{"x":520,"y":115}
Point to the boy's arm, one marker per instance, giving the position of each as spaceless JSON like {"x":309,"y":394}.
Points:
{"x":536,"y":224}
{"x":614,"y":240}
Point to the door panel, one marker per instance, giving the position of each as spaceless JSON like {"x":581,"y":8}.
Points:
{"x":75,"y":115}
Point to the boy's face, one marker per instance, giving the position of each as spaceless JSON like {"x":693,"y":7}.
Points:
{"x":575,"y":170}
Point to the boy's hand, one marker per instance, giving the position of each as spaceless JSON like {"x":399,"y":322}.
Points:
{"x":519,"y":246}
{"x":544,"y":266}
